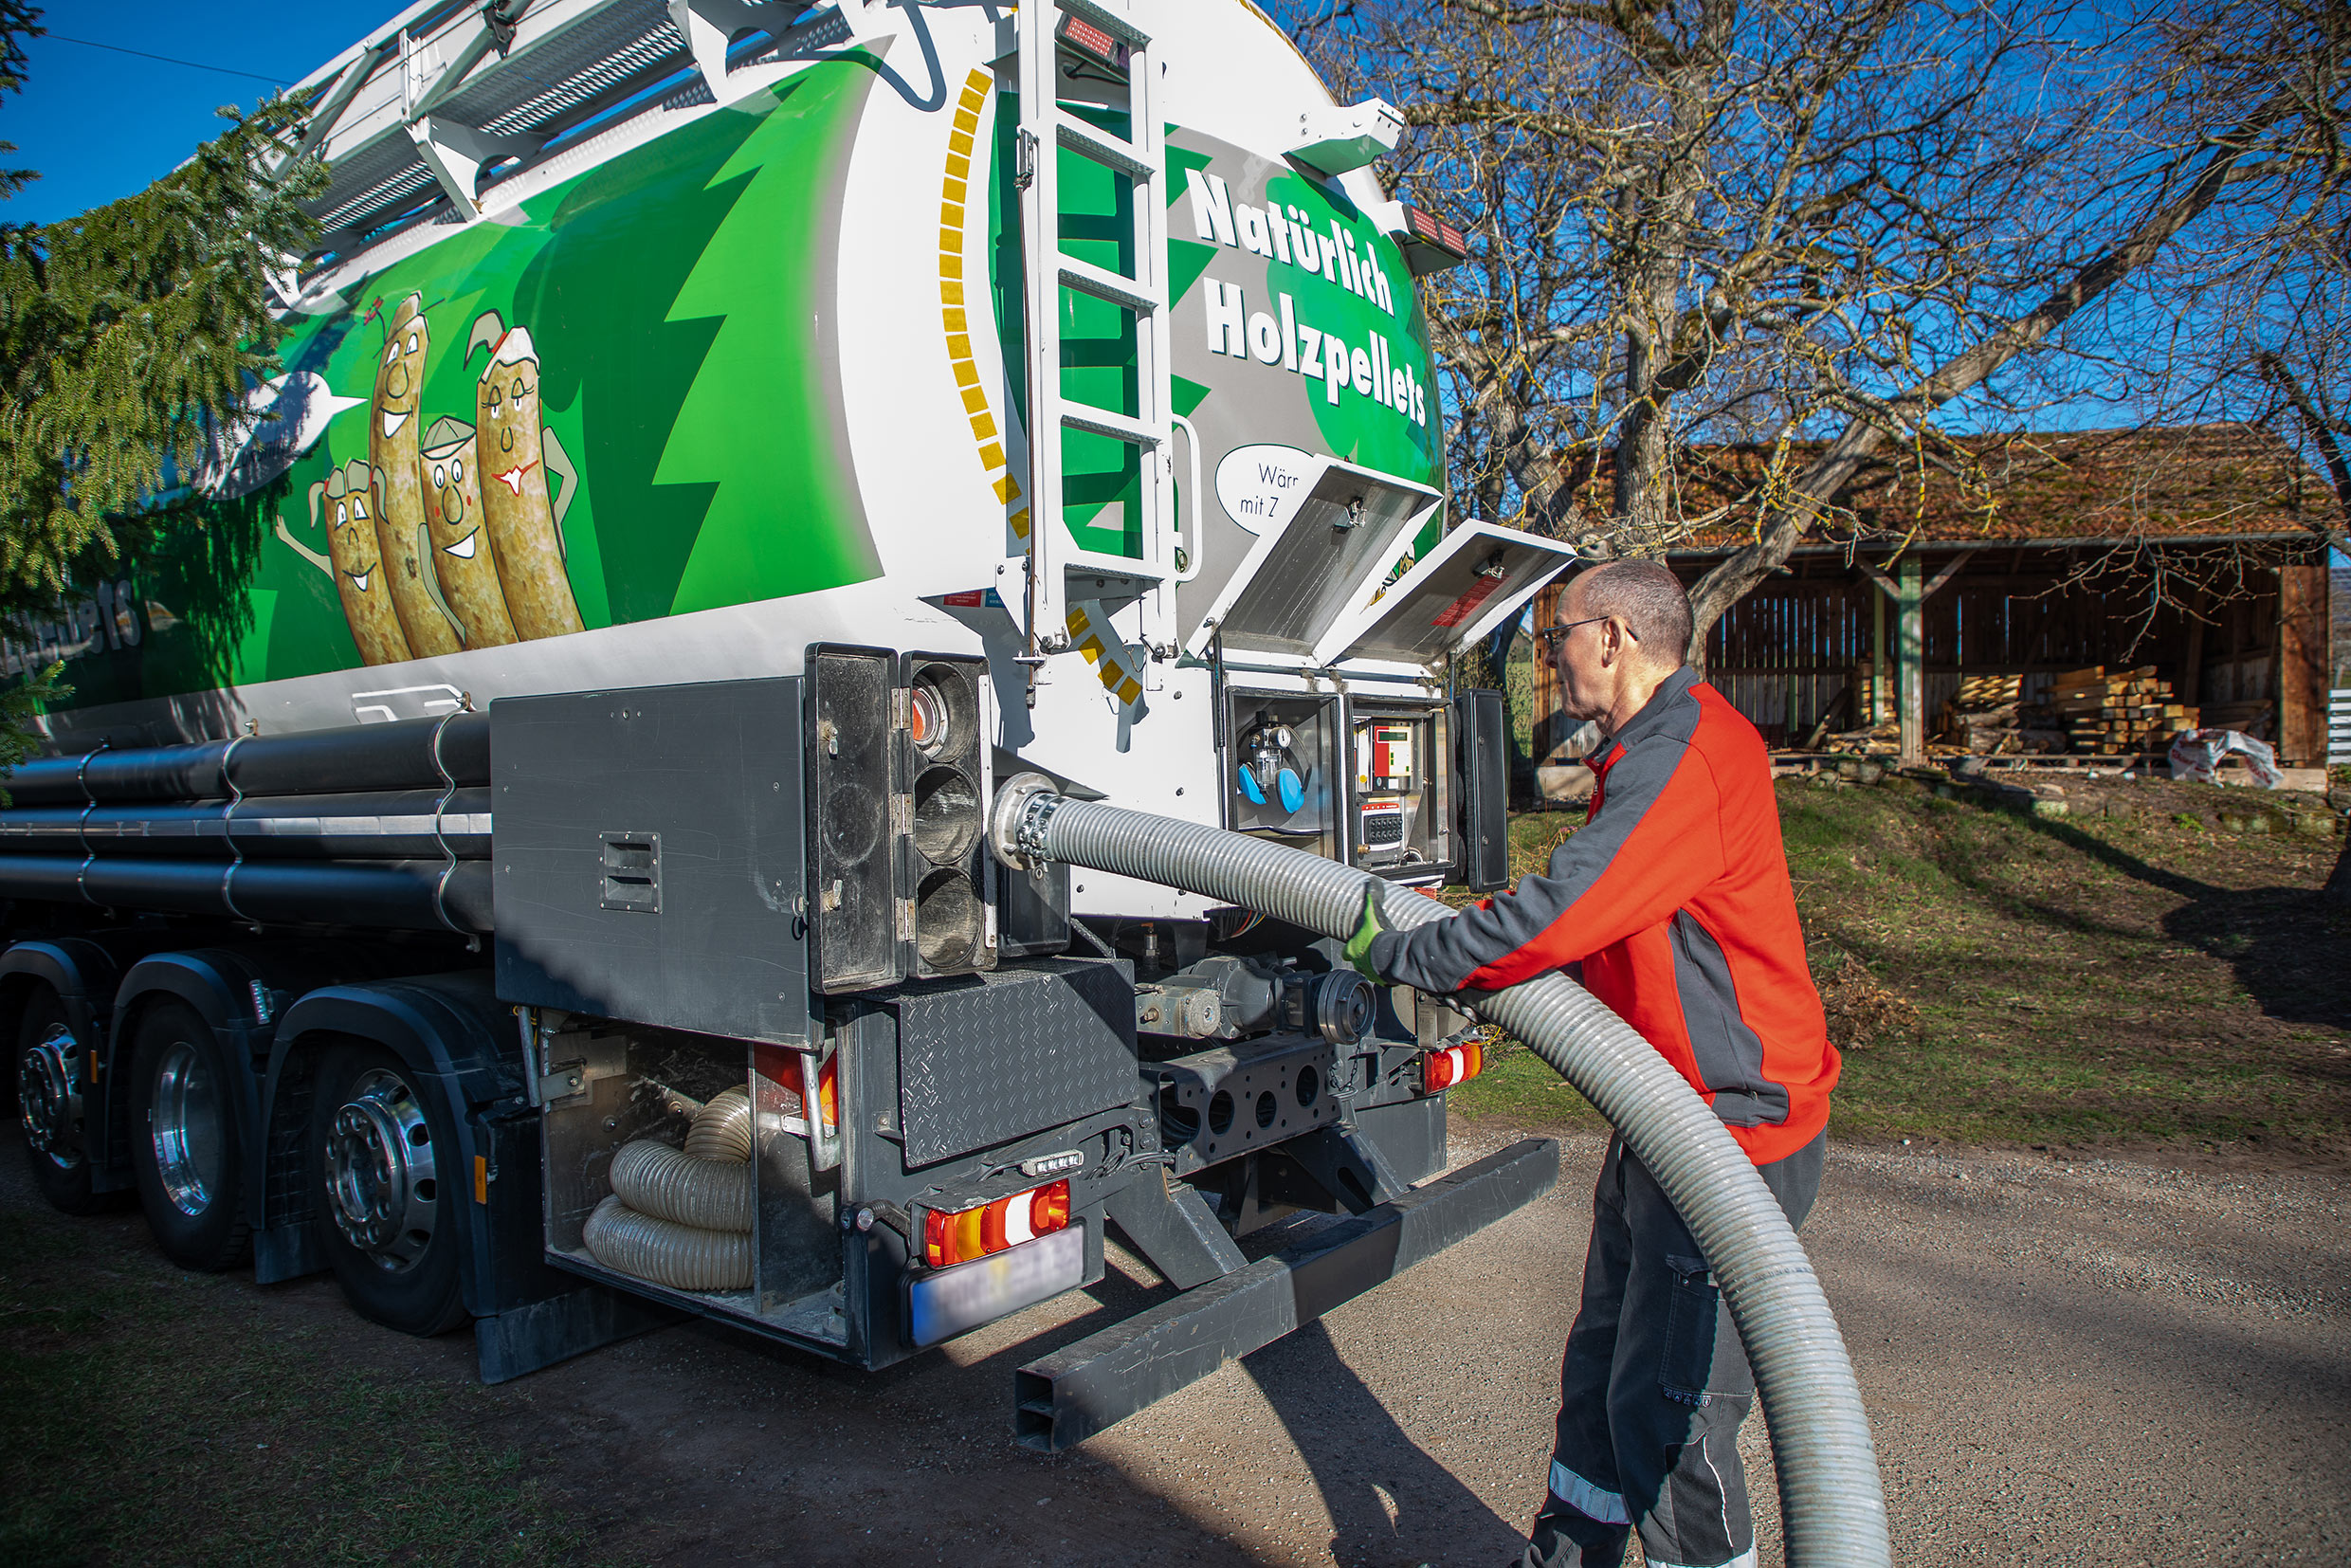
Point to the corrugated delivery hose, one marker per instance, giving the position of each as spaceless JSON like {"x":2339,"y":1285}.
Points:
{"x":1832,"y":1510}
{"x":682,"y":1217}
{"x":721,"y":1129}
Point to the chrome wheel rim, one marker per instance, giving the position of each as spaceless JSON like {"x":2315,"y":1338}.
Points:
{"x":191,"y":1153}
{"x":48,"y":1098}
{"x":382,"y":1185}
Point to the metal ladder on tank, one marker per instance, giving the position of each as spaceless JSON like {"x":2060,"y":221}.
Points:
{"x":1045,"y":129}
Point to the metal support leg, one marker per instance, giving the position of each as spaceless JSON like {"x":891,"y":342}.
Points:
{"x":1176,"y":1231}
{"x":1349,"y":1166}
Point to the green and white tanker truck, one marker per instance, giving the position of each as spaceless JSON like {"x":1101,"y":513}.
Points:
{"x":527,"y":851}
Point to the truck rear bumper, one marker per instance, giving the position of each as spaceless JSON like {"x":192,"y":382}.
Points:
{"x":1064,"y":1398}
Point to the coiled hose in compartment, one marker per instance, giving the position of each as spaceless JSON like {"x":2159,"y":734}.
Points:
{"x":721,"y":1129}
{"x":682,"y":1217}
{"x":684,"y":1257}
{"x":1832,"y":1507}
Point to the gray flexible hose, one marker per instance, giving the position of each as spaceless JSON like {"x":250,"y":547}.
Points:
{"x":1831,"y":1509}
{"x":684,"y":1257}
{"x":721,"y":1129}
{"x":654,"y":1179}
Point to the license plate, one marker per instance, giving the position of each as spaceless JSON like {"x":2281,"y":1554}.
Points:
{"x":942,"y":1306}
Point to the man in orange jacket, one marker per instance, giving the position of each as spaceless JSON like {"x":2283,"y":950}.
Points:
{"x":1674,"y":900}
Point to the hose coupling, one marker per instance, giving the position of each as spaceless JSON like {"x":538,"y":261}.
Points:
{"x":1025,"y":803}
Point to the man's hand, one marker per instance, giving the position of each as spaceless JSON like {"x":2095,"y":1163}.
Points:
{"x":1359,"y":945}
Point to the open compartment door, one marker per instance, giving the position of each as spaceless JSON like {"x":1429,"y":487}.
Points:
{"x":1327,"y":531}
{"x":1478,"y":576}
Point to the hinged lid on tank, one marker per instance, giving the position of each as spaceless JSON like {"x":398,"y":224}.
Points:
{"x":1476,"y":577}
{"x":1326,"y":530}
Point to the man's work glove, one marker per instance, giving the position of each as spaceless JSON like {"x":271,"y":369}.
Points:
{"x":1359,"y":945}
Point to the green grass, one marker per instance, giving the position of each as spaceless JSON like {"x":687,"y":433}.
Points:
{"x":2094,"y":980}
{"x":164,"y":1417}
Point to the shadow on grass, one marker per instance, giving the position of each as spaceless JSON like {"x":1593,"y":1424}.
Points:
{"x":2290,"y":948}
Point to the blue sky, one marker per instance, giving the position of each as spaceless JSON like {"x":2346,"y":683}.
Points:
{"x":99,"y":124}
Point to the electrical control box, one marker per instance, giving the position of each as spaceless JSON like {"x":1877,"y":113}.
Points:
{"x":1400,"y":807}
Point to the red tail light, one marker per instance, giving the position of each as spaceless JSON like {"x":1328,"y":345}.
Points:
{"x":1452,"y":1067}
{"x":958,"y":1235}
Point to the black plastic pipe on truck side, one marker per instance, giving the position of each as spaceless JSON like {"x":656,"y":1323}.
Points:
{"x":410,"y":754}
{"x":385,"y":825}
{"x":1832,"y":1506}
{"x":396,"y":895}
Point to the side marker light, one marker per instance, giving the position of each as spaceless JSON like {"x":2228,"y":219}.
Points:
{"x":1452,"y":1067}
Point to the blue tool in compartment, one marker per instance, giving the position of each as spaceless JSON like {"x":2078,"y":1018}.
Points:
{"x":1270,"y":772}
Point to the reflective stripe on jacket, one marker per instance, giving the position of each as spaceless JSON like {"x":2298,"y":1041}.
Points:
{"x":1675,"y":898}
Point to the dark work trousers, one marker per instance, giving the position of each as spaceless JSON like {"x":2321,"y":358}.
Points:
{"x":1654,"y":1386}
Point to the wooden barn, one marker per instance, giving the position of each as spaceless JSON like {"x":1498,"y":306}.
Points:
{"x":2186,"y":564}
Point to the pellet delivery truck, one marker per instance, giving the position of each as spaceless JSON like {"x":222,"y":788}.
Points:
{"x":529,"y":850}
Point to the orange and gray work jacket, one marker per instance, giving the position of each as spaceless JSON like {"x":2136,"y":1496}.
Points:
{"x":1674,"y":897}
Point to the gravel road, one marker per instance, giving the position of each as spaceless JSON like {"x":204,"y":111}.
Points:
{"x":2099,"y":1362}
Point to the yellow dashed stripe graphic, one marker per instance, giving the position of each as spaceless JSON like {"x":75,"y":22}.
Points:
{"x":954,"y":313}
{"x":1111,"y":674}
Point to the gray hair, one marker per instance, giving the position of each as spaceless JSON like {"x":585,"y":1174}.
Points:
{"x":1652,"y":601}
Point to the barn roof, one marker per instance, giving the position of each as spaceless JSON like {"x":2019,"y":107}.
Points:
{"x":2199,"y":482}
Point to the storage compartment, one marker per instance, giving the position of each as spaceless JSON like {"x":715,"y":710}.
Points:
{"x":1285,"y":761}
{"x":681,"y":1167}
{"x":649,"y":862}
{"x":1400,"y":814}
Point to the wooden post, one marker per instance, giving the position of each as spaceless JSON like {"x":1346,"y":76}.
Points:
{"x":2302,"y":667}
{"x":1910,"y":594}
{"x":1910,"y":653}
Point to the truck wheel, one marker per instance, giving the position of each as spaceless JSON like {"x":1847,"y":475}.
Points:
{"x":187,"y":1152}
{"x":54,"y":1100}
{"x":383,"y":1172}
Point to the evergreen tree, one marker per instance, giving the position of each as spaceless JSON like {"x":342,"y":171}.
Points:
{"x":125,"y":334}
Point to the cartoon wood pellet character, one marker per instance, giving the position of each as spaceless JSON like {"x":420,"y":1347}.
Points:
{"x":514,"y":449}
{"x":393,"y":432}
{"x":349,"y":496}
{"x":462,"y":555}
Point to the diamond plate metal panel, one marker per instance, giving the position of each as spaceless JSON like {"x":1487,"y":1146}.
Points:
{"x":988,"y":1058}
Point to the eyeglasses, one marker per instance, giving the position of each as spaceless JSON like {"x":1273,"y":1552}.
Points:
{"x":1554,"y":636}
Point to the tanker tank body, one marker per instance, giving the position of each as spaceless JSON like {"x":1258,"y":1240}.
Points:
{"x":709,"y":463}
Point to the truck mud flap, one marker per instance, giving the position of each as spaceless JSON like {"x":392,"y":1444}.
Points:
{"x":1067,"y":1397}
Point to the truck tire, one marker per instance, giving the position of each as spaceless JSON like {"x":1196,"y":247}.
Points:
{"x":57,"y":1107}
{"x":382,"y":1159}
{"x":187,"y":1140}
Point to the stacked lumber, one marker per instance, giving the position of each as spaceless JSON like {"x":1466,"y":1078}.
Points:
{"x":1862,"y":682}
{"x":2117,"y":713}
{"x":1984,"y":693}
{"x":1987,"y":716}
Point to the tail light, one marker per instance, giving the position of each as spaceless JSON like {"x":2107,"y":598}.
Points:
{"x":958,"y":1235}
{"x":1452,"y":1067}
{"x":945,"y":924}
{"x":897,"y":787}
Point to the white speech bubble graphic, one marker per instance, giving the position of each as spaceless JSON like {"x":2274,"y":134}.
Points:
{"x":1261,"y":488}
